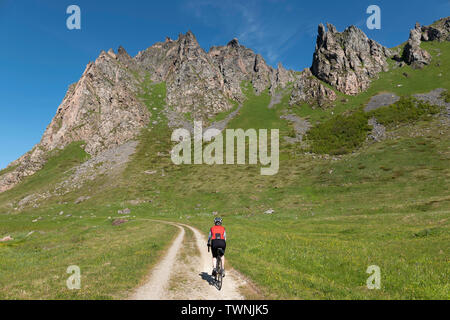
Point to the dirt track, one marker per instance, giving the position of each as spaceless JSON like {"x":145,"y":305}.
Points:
{"x":184,"y":273}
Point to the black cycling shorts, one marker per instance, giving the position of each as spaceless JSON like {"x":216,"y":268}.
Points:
{"x":216,"y":244}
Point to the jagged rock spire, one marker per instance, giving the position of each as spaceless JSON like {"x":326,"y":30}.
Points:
{"x":233,"y":43}
{"x":413,"y":54}
{"x":347,"y":60}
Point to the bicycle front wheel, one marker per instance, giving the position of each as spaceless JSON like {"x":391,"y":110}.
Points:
{"x":219,"y":281}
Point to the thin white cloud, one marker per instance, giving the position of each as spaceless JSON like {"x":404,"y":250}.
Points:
{"x":270,"y":36}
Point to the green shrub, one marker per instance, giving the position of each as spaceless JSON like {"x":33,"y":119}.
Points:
{"x":406,"y":110}
{"x":339,"y":135}
{"x":445,"y":95}
{"x":343,"y":134}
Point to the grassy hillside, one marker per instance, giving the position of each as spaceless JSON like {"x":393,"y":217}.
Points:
{"x":384,"y":204}
{"x":55,"y":169}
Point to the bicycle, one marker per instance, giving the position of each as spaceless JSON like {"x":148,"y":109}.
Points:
{"x":218,"y":279}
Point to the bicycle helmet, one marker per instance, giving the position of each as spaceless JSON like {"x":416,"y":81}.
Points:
{"x":218,"y":221}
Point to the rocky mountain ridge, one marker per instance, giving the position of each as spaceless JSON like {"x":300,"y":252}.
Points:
{"x":104,"y":108}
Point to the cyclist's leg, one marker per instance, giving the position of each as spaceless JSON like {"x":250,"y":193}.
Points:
{"x":214,"y":253}
{"x":223,"y":257}
{"x":223,"y":266}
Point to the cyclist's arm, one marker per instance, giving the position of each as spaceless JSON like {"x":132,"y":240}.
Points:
{"x":225,"y":235}
{"x":209,"y":237}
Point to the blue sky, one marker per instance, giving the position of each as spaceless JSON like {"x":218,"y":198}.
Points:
{"x":40,"y":57}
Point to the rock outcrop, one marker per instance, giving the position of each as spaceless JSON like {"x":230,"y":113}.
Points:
{"x":26,"y":165}
{"x":308,"y":89}
{"x":283,"y":77}
{"x":237,"y":63}
{"x":413,"y":54}
{"x":348,"y":60}
{"x":438,"y":31}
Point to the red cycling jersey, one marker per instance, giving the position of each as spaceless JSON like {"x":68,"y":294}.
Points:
{"x":218,"y":233}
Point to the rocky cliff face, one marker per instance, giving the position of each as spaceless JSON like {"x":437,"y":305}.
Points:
{"x":101,"y":109}
{"x":194,"y":83}
{"x":308,"y":89}
{"x":237,"y":63}
{"x":283,"y":77}
{"x":203,"y":83}
{"x":348,"y":60}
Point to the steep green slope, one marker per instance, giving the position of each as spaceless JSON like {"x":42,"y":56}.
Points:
{"x":57,"y":167}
